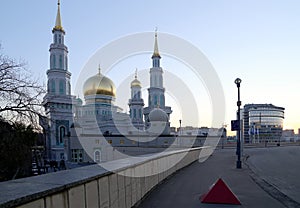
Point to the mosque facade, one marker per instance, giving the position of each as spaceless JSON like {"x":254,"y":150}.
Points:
{"x":78,"y":130}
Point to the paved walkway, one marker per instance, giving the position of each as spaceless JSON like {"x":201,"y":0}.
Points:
{"x":185,"y":187}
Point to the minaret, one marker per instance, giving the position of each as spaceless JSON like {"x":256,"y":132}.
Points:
{"x":58,"y":74}
{"x":156,"y":92}
{"x":58,"y":100}
{"x":136,"y":103}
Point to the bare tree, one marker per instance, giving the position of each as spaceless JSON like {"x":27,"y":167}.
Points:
{"x":20,"y":93}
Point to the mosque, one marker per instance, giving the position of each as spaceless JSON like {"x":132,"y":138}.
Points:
{"x":79,"y":130}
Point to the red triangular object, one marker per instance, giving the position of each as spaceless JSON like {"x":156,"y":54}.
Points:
{"x":220,"y":194}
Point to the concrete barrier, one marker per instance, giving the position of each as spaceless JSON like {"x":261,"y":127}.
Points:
{"x":127,"y":182}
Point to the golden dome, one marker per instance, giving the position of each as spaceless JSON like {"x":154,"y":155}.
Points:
{"x":136,"y":82}
{"x":99,"y":85}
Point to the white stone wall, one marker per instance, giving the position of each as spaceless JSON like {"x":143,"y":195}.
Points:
{"x":124,"y":187}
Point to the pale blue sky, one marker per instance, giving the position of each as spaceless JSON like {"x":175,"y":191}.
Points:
{"x":258,"y":41}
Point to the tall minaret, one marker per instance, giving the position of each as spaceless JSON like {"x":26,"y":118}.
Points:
{"x":156,"y":97}
{"x":136,"y":103}
{"x":58,"y":100}
{"x":156,"y":90}
{"x":58,"y":74}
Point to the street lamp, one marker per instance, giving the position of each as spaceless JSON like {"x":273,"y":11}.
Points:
{"x":180,"y":127}
{"x":238,"y":81}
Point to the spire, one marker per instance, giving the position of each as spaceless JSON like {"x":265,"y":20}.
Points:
{"x":156,"y":52}
{"x":58,"y":25}
{"x":99,"y":70}
{"x":135,"y":76}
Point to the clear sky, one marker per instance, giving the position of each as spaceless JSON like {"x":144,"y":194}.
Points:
{"x":258,"y":41}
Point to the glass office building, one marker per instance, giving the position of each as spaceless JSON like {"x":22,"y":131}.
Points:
{"x":262,"y":123}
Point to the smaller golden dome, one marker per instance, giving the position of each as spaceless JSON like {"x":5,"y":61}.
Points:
{"x":136,"y":83}
{"x":99,"y":85}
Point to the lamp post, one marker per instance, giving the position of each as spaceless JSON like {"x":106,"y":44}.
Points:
{"x":238,"y":143}
{"x":223,"y":133}
{"x":179,"y":141}
{"x":180,"y":127}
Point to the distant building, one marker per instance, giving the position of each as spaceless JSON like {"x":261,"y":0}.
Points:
{"x":288,"y":135}
{"x":262,"y":123}
{"x":202,"y":131}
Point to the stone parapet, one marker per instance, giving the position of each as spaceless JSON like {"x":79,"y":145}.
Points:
{"x":124,"y":185}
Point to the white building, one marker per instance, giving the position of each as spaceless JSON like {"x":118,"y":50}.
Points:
{"x":288,"y":135}
{"x":202,"y":131}
{"x":76,"y":129}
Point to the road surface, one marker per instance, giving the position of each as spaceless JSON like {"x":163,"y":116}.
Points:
{"x":270,"y":179}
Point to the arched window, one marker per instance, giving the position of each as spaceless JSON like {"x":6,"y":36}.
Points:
{"x":140,"y":113}
{"x":53,"y":62}
{"x":62,"y":133}
{"x":60,"y":61}
{"x":155,"y":100}
{"x":69,"y":88}
{"x":97,"y":156}
{"x":66,"y":63}
{"x":162,"y":100}
{"x":134,"y":113}
{"x":52,"y":83}
{"x":61,"y":87}
{"x":55,"y":38}
{"x":59,"y":39}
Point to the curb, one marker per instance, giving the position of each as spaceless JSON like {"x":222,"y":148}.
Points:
{"x":272,"y":190}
